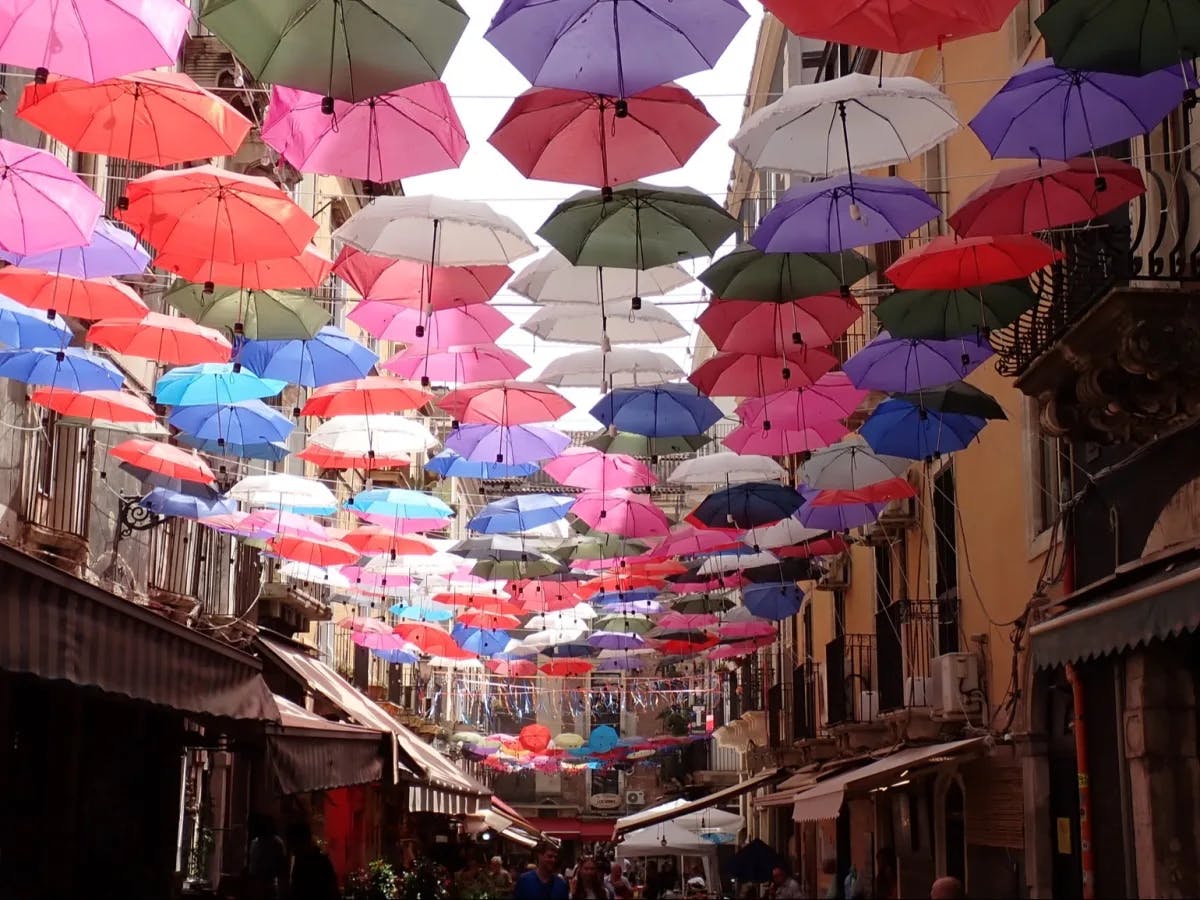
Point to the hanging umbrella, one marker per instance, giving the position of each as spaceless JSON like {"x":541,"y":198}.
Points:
{"x":373,"y":395}
{"x":746,"y":505}
{"x":614,"y":322}
{"x":482,"y":641}
{"x":741,"y":648}
{"x":207,"y":383}
{"x":830,"y":398}
{"x":786,"y":532}
{"x":109,"y":405}
{"x":843,"y":517}
{"x":372,"y":540}
{"x":621,"y":512}
{"x":324,"y":458}
{"x":583,"y":138}
{"x":948,"y":262}
{"x":457,"y":364}
{"x":165,"y":339}
{"x":507,"y":443}
{"x":853,"y":123}
{"x":1044,"y":112}
{"x":247,"y":422}
{"x":1130,"y":37}
{"x":282,"y":491}
{"x":402,"y":655}
{"x":330,"y":356}
{"x":1047,"y":195}
{"x":566,"y":668}
{"x":272,"y":451}
{"x":428,"y":638}
{"x":255,"y":315}
{"x":208,"y":210}
{"x":348,"y":49}
{"x":306,"y":270}
{"x":751,"y":627}
{"x":942,"y":314}
{"x":756,"y":375}
{"x":98,"y":298}
{"x":637,"y":226}
{"x":501,"y":547}
{"x":726,"y":468}
{"x":43,"y":204}
{"x":478,"y":323}
{"x":773,"y":601}
{"x":553,"y":279}
{"x":647,"y":43}
{"x":21,"y":328}
{"x":909,"y":364}
{"x":399,"y":503}
{"x":899,"y":428}
{"x":647,"y":447}
{"x":449,"y":464}
{"x":492,"y":621}
{"x":746,"y":273}
{"x":93,"y":40}
{"x":782,"y":440}
{"x":667,"y":409}
{"x":69,"y":368}
{"x":583,"y":467}
{"x":160,"y":118}
{"x":702,"y":603}
{"x":164,"y":502}
{"x":749,"y":326}
{"x":520,"y":513}
{"x":961,"y":398}
{"x":619,"y":367}
{"x":163,"y":459}
{"x":880,"y":492}
{"x":843,"y":212}
{"x":379,"y":139}
{"x":734,"y":560}
{"x":415,"y":285}
{"x":850,"y":466}
{"x":110,"y":251}
{"x":505,"y":403}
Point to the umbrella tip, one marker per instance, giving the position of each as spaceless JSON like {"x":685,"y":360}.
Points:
{"x":606,"y":192}
{"x":621,"y":108}
{"x":210,"y":287}
{"x":122,"y":203}
{"x":327,"y":105}
{"x":41,"y":75}
{"x":635,"y":304}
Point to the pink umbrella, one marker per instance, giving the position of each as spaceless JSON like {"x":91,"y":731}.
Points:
{"x":43,"y":204}
{"x":373,"y":640}
{"x":271,"y":522}
{"x":688,"y":540}
{"x":753,"y":628}
{"x":410,"y":132}
{"x":457,"y":364}
{"x":831,"y":397}
{"x":226,"y":523}
{"x":782,"y":440}
{"x":741,"y":648}
{"x":583,"y":467}
{"x":365,"y":624}
{"x":751,"y":326}
{"x":475,"y":324}
{"x":622,"y":513}
{"x":365,"y":579}
{"x":404,"y":526}
{"x":505,"y":403}
{"x":687,"y":621}
{"x":413,"y":284}
{"x":753,"y":375}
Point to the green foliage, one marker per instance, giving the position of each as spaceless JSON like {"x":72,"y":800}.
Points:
{"x":377,"y":881}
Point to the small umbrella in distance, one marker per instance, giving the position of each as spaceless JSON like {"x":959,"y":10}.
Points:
{"x":520,"y":513}
{"x":449,"y":464}
{"x":647,"y":447}
{"x":513,"y":444}
{"x":773,"y":601}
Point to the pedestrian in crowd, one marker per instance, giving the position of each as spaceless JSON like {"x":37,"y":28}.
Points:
{"x":266,"y":868}
{"x":947,"y":888}
{"x":618,"y":885}
{"x":653,"y":887}
{"x":312,"y":875}
{"x":471,"y":879}
{"x":588,"y":883}
{"x":499,"y":877}
{"x":543,"y":881}
{"x":784,"y":886}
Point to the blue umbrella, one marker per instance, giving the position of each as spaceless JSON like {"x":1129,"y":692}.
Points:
{"x":900,"y":428}
{"x":172,"y":503}
{"x":603,"y":738}
{"x":607,"y":598}
{"x":668,"y":410}
{"x":23,"y":328}
{"x":332,"y":355}
{"x":747,"y":505}
{"x":521,"y":513}
{"x":398,"y":503}
{"x":246,"y":422}
{"x":70,"y":369}
{"x":482,"y":641}
{"x":842,"y":517}
{"x":209,"y":383}
{"x":398,"y":657}
{"x":773,"y":601}
{"x":112,"y":251}
{"x":449,"y":464}
{"x":267,"y":450}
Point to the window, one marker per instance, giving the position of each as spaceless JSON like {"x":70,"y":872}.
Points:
{"x":1052,"y":478}
{"x":1025,"y":30}
{"x":883,"y":576}
{"x":47,"y":454}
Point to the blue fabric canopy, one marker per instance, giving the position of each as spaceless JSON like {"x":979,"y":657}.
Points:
{"x":900,"y":428}
{"x":667,"y":410}
{"x":514,"y":514}
{"x":330,"y":356}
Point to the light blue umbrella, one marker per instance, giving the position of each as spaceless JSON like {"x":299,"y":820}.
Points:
{"x":112,"y":251}
{"x":266,"y":450}
{"x":515,"y":514}
{"x":398,"y":503}
{"x":425,"y":612}
{"x":23,"y":328}
{"x":330,"y":356}
{"x":449,"y":464}
{"x":482,"y":641}
{"x":171,"y":503}
{"x":213,"y":383}
{"x":246,"y":422}
{"x":399,"y":657}
{"x":70,"y":369}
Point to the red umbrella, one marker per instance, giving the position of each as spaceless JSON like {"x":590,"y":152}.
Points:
{"x":828,"y":546}
{"x":751,"y":326}
{"x":373,"y":540}
{"x":688,"y":540}
{"x":375,"y":394}
{"x":111,"y":406}
{"x":785,"y":439}
{"x":324,"y":458}
{"x":611,"y":582}
{"x":675,"y":647}
{"x":1046,"y":195}
{"x":306,"y":270}
{"x":488,"y":620}
{"x":952,"y":263}
{"x":534,"y":737}
{"x":879,"y":492}
{"x":82,"y":298}
{"x":755,"y":375}
{"x":407,"y":282}
{"x":432,"y":640}
{"x":505,"y":403}
{"x":313,"y":551}
{"x":567,"y":668}
{"x":579,"y":138}
{"x":166,"y":339}
{"x":164,"y":459}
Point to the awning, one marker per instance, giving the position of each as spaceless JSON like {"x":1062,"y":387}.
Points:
{"x":59,"y":627}
{"x":309,"y":753}
{"x":648,"y":817}
{"x":824,"y":800}
{"x":573,"y":828}
{"x":510,"y":824}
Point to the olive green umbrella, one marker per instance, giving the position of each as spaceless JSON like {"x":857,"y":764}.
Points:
{"x":694,"y":604}
{"x":538,"y":565}
{"x":345,"y":49}
{"x":258,"y":315}
{"x":960,"y":398}
{"x":939,"y":315}
{"x":1127,"y":37}
{"x":598,"y":545}
{"x":746,"y":273}
{"x":638,"y":226}
{"x":640,"y":445}
{"x":623,"y":624}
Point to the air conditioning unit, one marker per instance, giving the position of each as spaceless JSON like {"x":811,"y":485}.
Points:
{"x":635,"y":798}
{"x":898,"y":514}
{"x":954,"y":686}
{"x":837,"y":574}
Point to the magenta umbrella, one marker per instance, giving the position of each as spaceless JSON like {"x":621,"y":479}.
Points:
{"x":782,"y":440}
{"x":831,"y":397}
{"x":457,"y":326}
{"x":410,"y":132}
{"x":755,"y":375}
{"x":621,"y":512}
{"x":457,"y":364}
{"x":688,"y":540}
{"x":583,"y":467}
{"x":43,"y":204}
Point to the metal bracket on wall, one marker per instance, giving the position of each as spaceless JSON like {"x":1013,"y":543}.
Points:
{"x":132,"y":516}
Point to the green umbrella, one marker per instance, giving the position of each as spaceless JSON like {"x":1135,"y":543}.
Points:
{"x":747,"y":273}
{"x":638,"y":226}
{"x":598,"y":546}
{"x":623,"y":624}
{"x":263,"y":315}
{"x":1128,"y":37}
{"x":640,"y":445}
{"x":960,"y":397}
{"x":536,"y":566}
{"x":346,"y":49}
{"x":694,"y":604}
{"x":942,"y":314}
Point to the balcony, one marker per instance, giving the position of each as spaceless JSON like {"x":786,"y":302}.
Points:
{"x":906,"y":641}
{"x":56,"y":492}
{"x":850,"y":680}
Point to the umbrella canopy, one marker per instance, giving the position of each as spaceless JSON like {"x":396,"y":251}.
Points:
{"x":330,"y":356}
{"x":165,"y":502}
{"x":109,"y":405}
{"x":786,"y":532}
{"x":71,"y":368}
{"x":748,"y":505}
{"x":663,"y":410}
{"x":941,"y":314}
{"x":756,"y":375}
{"x":613,"y":322}
{"x":449,"y":464}
{"x":283,"y":492}
{"x":213,"y":383}
{"x":909,"y":364}
{"x":726,"y":468}
{"x":582,"y":138}
{"x":749,"y":326}
{"x":268,"y":450}
{"x":166,"y":339}
{"x":638,"y":226}
{"x":505,"y":403}
{"x":613,"y":47}
{"x":110,"y":251}
{"x":520,"y":513}
{"x":773,"y":601}
{"x":478,"y":323}
{"x":1130,"y":37}
{"x":383,"y":138}
{"x":843,"y":517}
{"x":371,"y":540}
{"x":900,"y":428}
{"x":512,"y":444}
{"x":948,"y":263}
{"x":160,"y":118}
{"x":457,"y":364}
{"x":43,"y":204}
{"x":373,"y":395}
{"x":324,"y":458}
{"x":746,"y":273}
{"x":585,"y":467}
{"x":309,"y":269}
{"x":961,"y":398}
{"x":414,"y":284}
{"x":383,"y":435}
{"x":851,"y":466}
{"x":831,"y":397}
{"x":619,"y":367}
{"x":647,"y":447}
{"x":246,"y":423}
{"x":348,"y":49}
{"x":22,"y":327}
{"x":260,"y":315}
{"x":781,"y":440}
{"x":553,"y":279}
{"x":399,"y":503}
{"x":96,"y":298}
{"x":163,"y":459}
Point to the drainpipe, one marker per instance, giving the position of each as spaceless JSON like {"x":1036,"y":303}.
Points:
{"x":1087,"y":860}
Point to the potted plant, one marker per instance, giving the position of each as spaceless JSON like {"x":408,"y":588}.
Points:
{"x":377,"y":881}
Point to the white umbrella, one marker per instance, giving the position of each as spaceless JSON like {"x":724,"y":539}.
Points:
{"x":552,"y":279}
{"x":572,"y":323}
{"x":622,"y":367}
{"x":785,"y":533}
{"x":727,"y":468}
{"x":852,"y":123}
{"x":731,"y":562}
{"x":141,"y":429}
{"x":279,"y":491}
{"x":435,"y":231}
{"x":552,"y":637}
{"x":433,"y":564}
{"x":329,"y":576}
{"x":386,"y":435}
{"x":851,"y":466}
{"x":576,"y":617}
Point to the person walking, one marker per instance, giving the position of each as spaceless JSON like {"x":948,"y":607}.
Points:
{"x":266,"y":865}
{"x":588,"y":883}
{"x":312,"y":877}
{"x":543,"y":881}
{"x":618,"y":885}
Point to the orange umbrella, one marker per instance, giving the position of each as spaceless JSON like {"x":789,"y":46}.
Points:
{"x":83,"y":298}
{"x":479,"y":603}
{"x":534,"y":737}
{"x":371,"y":540}
{"x":112,"y":406}
{"x":615,"y":582}
{"x":313,"y":551}
{"x":324,"y":458}
{"x":488,"y":620}
{"x":375,"y":394}
{"x":215,"y":213}
{"x":165,"y":339}
{"x":309,"y":269}
{"x":434,"y":641}
{"x":160,"y":118}
{"x":165,"y":459}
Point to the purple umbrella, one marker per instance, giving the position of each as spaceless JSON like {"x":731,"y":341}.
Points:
{"x":111,"y":252}
{"x":839,"y":518}
{"x":511,"y":444}
{"x":613,"y":47}
{"x":615,"y":640}
{"x":839,"y":213}
{"x":634,"y":607}
{"x":897,"y":365}
{"x":1045,"y":112}
{"x":627,"y":663}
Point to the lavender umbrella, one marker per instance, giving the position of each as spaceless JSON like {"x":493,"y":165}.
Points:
{"x":839,"y":213}
{"x":1044,"y":112}
{"x":627,"y":663}
{"x":111,"y":252}
{"x":510,"y":444}
{"x":615,"y":640}
{"x":633,"y":608}
{"x":613,"y":47}
{"x":839,"y":518}
{"x":898,"y":365}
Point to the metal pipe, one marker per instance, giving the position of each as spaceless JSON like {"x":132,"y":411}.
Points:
{"x":1087,"y":860}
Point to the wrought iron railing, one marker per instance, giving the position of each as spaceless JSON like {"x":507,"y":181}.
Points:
{"x":850,"y":684}
{"x":906,"y":641}
{"x":806,"y":717}
{"x":57,"y":478}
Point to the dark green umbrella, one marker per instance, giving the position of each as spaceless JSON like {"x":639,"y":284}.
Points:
{"x":638,"y":226}
{"x":598,"y":546}
{"x":1128,"y":37}
{"x":265,"y":315}
{"x":943,"y":314}
{"x":747,"y":273}
{"x":345,"y":49}
{"x":640,"y":445}
{"x":693,"y":604}
{"x":960,"y":398}
{"x":537,"y":565}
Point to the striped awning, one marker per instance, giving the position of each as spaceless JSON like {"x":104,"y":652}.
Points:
{"x":308,"y":753}
{"x":59,"y":627}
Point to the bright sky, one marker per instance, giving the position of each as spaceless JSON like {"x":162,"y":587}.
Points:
{"x":483,"y":84}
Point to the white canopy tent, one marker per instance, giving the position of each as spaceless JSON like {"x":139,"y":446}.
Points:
{"x":669,"y":839}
